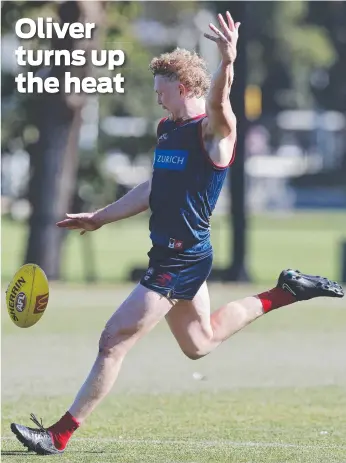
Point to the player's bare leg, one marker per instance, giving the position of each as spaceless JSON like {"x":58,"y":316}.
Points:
{"x":138,"y":315}
{"x":198,"y":332}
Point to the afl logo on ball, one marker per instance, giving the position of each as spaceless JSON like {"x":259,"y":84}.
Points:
{"x":41,"y":303}
{"x":20,"y":302}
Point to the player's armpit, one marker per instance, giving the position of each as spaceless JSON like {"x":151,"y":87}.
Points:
{"x":220,"y":120}
{"x":219,"y":148}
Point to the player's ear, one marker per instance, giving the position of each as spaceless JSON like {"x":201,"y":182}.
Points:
{"x":182,"y":90}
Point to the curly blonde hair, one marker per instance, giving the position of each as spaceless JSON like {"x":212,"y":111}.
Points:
{"x":185,"y":66}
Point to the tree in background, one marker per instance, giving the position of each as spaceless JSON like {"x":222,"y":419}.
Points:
{"x":329,"y":84}
{"x":55,"y":156}
{"x":57,"y":119}
{"x":284,"y":48}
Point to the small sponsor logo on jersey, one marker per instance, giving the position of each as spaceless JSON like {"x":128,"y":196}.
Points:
{"x":163,"y":279}
{"x":162,"y":137}
{"x":175,"y":244}
{"x":148,"y":273}
{"x":170,"y":159}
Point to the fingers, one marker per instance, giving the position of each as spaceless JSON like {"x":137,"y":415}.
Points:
{"x":226,"y":34}
{"x":61,"y":224}
{"x":217,"y":32}
{"x":71,"y":225}
{"x":224,"y":27}
{"x":67,"y":223}
{"x":82,"y":222}
{"x":211,"y":37}
{"x":81,"y":215}
{"x":230,"y":21}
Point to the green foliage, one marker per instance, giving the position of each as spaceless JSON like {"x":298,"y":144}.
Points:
{"x":284,"y":35}
{"x":138,"y":83}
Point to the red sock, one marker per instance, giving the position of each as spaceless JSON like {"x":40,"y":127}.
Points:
{"x":62,"y":430}
{"x":275,"y":298}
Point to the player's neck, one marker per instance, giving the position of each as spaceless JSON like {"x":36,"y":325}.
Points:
{"x":193,"y":107}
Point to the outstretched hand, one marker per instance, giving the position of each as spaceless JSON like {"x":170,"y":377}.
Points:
{"x":226,"y":39}
{"x":84,"y":221}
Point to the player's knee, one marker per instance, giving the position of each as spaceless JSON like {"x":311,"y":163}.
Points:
{"x":194,"y":355}
{"x":115,"y":343}
{"x":200,"y":347}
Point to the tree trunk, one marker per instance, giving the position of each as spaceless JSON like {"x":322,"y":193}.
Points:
{"x":54,"y":159}
{"x":236,"y":271}
{"x":54,"y":163}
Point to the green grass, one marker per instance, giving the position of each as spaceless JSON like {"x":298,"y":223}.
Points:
{"x":306,"y":240}
{"x":275,"y":392}
{"x":238,"y":426}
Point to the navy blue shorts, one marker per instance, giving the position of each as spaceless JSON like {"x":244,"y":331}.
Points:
{"x":176,"y":275}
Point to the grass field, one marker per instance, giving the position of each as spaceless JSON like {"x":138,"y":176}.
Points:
{"x":276,"y":392}
{"x":309,"y":241}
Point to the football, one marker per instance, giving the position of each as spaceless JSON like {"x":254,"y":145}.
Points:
{"x":27,"y":296}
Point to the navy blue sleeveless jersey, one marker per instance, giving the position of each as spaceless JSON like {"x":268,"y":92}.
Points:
{"x":185,"y":187}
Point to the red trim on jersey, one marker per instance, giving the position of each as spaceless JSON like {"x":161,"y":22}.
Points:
{"x":185,"y":121}
{"x":214,"y":164}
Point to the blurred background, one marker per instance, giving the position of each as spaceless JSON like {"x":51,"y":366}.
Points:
{"x":284,"y":204}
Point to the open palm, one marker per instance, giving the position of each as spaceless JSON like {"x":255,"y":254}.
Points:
{"x":227,"y":38}
{"x":84,"y":221}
